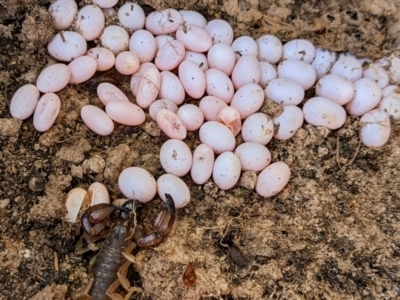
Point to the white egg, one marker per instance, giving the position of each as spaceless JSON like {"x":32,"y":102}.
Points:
{"x":176,"y":157}
{"x":171,"y":88}
{"x":175,"y":187}
{"x":127,"y":63}
{"x":105,"y":3}
{"x":194,"y":38}
{"x":126,"y":113}
{"x":160,"y":104}
{"x":253,"y":156}
{"x":375,"y":128}
{"x":320,"y":111}
{"x":284,"y":91}
{"x":192,"y":17}
{"x":137,"y":183}
{"x":67,"y":45}
{"x":221,"y":57}
{"x":138,"y":75}
{"x":258,"y":128}
{"x":108,"y":92}
{"x":220,"y":31}
{"x":170,"y":55}
{"x":273,"y":179}
{"x":82,"y":69}
{"x":299,"y":71}
{"x":390,"y":89}
{"x":270,"y":49}
{"x":226,"y":172}
{"x":391,"y":105}
{"x":199,"y":58}
{"x":161,"y":40}
{"x":244,"y":45}
{"x":63,"y":13}
{"x":98,"y":193}
{"x":24,"y":101}
{"x":192,"y":78}
{"x":148,"y":87}
{"x":97,"y":120}
{"x":299,"y":49}
{"x":268,"y":73}
{"x":191,"y":115}
{"x":203,"y":164}
{"x":46,"y":112}
{"x":115,"y":38}
{"x":217,"y":136}
{"x":247,"y":70}
{"x":336,"y":88}
{"x":131,"y":16}
{"x":248,"y":99}
{"x":211,"y":106}
{"x":366,"y":97}
{"x":90,"y":22}
{"x":163,"y":22}
{"x":53,"y":78}
{"x":288,"y":122}
{"x":323,"y":61}
{"x":348,"y":67}
{"x":76,"y":200}
{"x":218,"y":84}
{"x":171,"y":124}
{"x":378,"y":74}
{"x":105,"y":58}
{"x":143,"y":44}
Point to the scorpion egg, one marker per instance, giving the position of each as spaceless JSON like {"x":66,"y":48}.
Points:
{"x":226,"y":170}
{"x":175,"y":157}
{"x":375,"y":128}
{"x":203,"y":163}
{"x":273,"y":179}
{"x":137,"y":183}
{"x":108,"y":92}
{"x":97,"y":120}
{"x":174,"y":186}
{"x":46,"y":112}
{"x":160,"y":104}
{"x":77,"y":199}
{"x":98,"y":193}
{"x":218,"y":136}
{"x":253,"y":156}
{"x":24,"y":102}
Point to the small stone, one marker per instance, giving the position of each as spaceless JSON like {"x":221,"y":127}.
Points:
{"x":151,"y":128}
{"x":248,"y":180}
{"x":77,"y":171}
{"x":95,"y":164}
{"x":36,"y":184}
{"x":4,"y":203}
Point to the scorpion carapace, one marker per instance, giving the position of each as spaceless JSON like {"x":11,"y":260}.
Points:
{"x":114,"y":258}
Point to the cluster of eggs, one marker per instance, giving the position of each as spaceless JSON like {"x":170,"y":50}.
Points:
{"x":173,"y":54}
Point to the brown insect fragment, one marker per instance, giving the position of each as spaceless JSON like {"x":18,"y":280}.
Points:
{"x":189,"y":276}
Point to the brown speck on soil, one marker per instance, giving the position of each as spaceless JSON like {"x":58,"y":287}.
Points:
{"x":332,"y":233}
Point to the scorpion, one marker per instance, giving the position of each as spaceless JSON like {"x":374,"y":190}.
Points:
{"x":114,"y":258}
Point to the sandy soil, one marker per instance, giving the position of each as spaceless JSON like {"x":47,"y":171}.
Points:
{"x":332,"y":233}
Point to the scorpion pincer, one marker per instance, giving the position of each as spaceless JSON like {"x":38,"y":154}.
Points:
{"x":114,"y":258}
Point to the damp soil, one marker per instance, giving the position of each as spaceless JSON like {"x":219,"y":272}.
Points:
{"x":332,"y":233}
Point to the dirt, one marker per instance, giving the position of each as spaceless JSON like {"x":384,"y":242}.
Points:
{"x":332,"y":233}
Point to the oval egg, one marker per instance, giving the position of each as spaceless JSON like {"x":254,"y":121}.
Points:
{"x":320,"y":111}
{"x":24,"y":101}
{"x":226,"y":171}
{"x":67,"y":46}
{"x":253,"y":156}
{"x":53,"y":78}
{"x":203,"y":164}
{"x":46,"y":112}
{"x":273,"y":179}
{"x":125,"y":112}
{"x":175,"y":157}
{"x":218,"y":136}
{"x":137,"y":183}
{"x":171,"y":124}
{"x":192,"y":78}
{"x":97,"y":120}
{"x":174,"y":186}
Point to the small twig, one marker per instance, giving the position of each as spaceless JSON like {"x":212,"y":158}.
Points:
{"x":338,"y":155}
{"x":55,"y":261}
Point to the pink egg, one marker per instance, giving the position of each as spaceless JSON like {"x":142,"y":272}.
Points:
{"x":46,"y":112}
{"x":192,"y":17}
{"x":226,"y":172}
{"x":299,"y":49}
{"x":336,"y":88}
{"x":378,"y":74}
{"x":199,"y":58}
{"x":391,"y":105}
{"x":230,"y":117}
{"x":284,"y":91}
{"x":245,"y":45}
{"x":171,"y":124}
{"x":90,"y":22}
{"x":258,"y":128}
{"x":323,"y":61}
{"x":270,"y":49}
{"x":268,"y":73}
{"x":105,"y":58}
{"x":63,"y":13}
{"x":161,"y":40}
{"x":162,"y":22}
{"x":53,"y":78}
{"x":192,"y":116}
{"x":220,"y":31}
{"x":97,"y":120}
{"x":221,"y":57}
{"x":143,"y":44}
{"x":288,"y":122}
{"x":160,"y":104}
{"x":125,"y":113}
{"x":115,"y":38}
{"x":82,"y":69}
{"x":299,"y":71}
{"x":192,"y":78}
{"x":99,"y":193}
{"x":131,"y":16}
{"x":320,"y":111}
{"x":273,"y":179}
{"x":24,"y":101}
{"x":67,"y":46}
{"x":127,"y":63}
{"x":247,"y":70}
{"x":375,"y":128}
{"x":194,"y":38}
{"x":253,"y":156}
{"x":137,"y":183}
{"x":348,"y":67}
{"x":108,"y":92}
{"x":211,"y":106}
{"x":105,"y":3}
{"x":148,"y":87}
{"x":218,"y":84}
{"x":174,"y":186}
{"x":248,"y":99}
{"x":171,"y":88}
{"x":175,"y":157}
{"x":366,"y":97}
{"x":170,"y":55}
{"x":138,"y":75}
{"x":203,"y":164}
{"x":217,"y":136}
